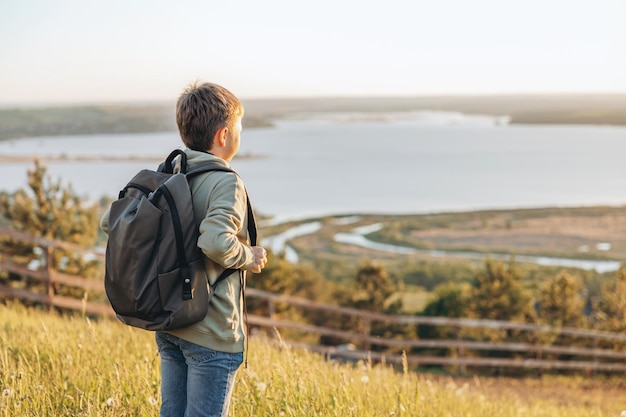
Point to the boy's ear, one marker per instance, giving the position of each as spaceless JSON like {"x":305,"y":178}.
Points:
{"x":220,"y":137}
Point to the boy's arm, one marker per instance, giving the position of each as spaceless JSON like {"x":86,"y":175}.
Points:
{"x":225,"y":219}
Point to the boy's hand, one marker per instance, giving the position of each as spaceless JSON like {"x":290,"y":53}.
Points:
{"x":260,"y":259}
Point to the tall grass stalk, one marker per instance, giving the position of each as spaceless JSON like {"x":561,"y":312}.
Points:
{"x":53,"y":365}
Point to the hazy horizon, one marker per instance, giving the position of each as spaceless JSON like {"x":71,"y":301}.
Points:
{"x":171,"y":101}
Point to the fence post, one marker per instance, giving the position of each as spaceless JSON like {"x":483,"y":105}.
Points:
{"x":459,"y":351}
{"x":366,"y":327}
{"x":49,"y":285}
{"x":594,"y":358}
{"x":271,"y":309}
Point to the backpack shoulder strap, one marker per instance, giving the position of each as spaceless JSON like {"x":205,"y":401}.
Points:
{"x":217,"y":166}
{"x":252,"y":228}
{"x":207,"y":167}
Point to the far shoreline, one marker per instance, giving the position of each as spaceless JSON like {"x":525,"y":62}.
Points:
{"x":522,"y":109}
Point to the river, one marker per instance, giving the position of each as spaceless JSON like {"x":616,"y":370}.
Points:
{"x":311,"y":167}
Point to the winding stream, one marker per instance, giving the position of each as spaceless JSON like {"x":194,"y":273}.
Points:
{"x":358,"y":237}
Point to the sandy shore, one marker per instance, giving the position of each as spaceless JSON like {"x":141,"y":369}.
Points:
{"x":7,"y":159}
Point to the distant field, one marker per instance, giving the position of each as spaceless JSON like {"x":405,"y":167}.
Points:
{"x":159,"y":117}
{"x":575,"y":232}
{"x":582,"y":233}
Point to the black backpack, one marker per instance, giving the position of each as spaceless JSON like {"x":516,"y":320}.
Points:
{"x":155,"y":277}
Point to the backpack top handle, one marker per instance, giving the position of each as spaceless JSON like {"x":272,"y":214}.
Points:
{"x":168,"y":166}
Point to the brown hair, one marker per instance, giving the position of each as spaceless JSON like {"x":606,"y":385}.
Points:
{"x":203,"y":109}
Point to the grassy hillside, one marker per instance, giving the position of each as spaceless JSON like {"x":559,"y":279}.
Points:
{"x":158,"y":117}
{"x":73,"y":366}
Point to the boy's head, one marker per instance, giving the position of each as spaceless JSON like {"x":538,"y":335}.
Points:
{"x":201,"y":110}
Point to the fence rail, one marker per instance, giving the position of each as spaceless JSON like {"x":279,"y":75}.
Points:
{"x":462,"y":353}
{"x":589,"y":354}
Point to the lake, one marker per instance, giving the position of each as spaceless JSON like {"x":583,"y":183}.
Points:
{"x":348,"y":163}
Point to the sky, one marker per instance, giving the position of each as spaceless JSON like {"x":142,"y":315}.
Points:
{"x":76,"y":51}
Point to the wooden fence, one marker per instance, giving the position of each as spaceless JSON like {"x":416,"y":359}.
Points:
{"x":542,"y":348}
{"x":49,"y":277}
{"x":585,"y":355}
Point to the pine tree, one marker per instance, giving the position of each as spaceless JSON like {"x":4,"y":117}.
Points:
{"x":450,"y":300}
{"x":561,"y":303}
{"x":372,"y":291}
{"x":372,"y":287}
{"x":48,"y":210}
{"x":612,"y":304}
{"x":497,"y":294}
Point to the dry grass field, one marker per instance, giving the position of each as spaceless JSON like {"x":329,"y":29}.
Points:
{"x":551,"y":390}
{"x":52,"y":365}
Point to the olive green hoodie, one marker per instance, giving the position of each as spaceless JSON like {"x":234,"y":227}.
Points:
{"x":220,"y":208}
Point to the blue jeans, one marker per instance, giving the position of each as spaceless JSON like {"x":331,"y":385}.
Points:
{"x":195,"y":381}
